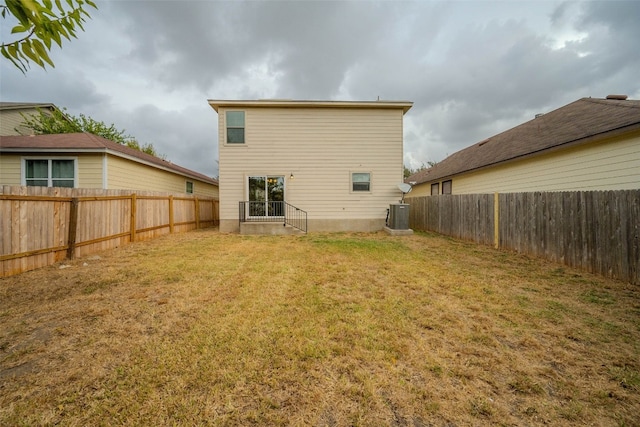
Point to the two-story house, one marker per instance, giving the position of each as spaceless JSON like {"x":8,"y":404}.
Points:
{"x":338,"y":161}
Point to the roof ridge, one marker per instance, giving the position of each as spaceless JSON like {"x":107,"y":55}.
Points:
{"x":628,"y":103}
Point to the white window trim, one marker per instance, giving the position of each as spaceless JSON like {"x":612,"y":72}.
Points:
{"x":235,"y":144}
{"x":351,"y":190}
{"x":267,"y":176}
{"x":23,"y":168}
{"x":264,"y":175}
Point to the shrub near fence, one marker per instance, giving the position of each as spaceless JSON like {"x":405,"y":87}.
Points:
{"x":40,"y":226}
{"x":598,"y":231}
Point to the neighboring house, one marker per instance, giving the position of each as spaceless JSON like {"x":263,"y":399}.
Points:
{"x":12,"y":115}
{"x":590,"y":144}
{"x":340,"y":161}
{"x":83,"y":160}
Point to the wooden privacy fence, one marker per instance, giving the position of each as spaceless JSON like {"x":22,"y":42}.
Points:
{"x":598,"y":231}
{"x":40,"y":226}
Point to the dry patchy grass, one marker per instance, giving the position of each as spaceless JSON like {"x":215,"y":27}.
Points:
{"x":204,"y":328}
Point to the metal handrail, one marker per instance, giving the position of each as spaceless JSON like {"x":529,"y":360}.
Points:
{"x":282,"y":212}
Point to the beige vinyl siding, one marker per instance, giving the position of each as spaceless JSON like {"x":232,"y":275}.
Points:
{"x":89,"y":168}
{"x":10,"y":169}
{"x":321,"y":147}
{"x":420,"y":190}
{"x":90,"y":171}
{"x":612,"y":164}
{"x":125,"y":174}
{"x":202,"y":188}
{"x":12,"y":120}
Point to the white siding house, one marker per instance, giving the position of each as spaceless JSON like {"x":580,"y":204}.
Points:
{"x":339,"y":161}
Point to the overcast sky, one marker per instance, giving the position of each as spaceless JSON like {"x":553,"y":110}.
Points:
{"x":472,"y":68}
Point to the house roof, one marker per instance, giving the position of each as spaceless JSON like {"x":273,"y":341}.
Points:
{"x":89,"y":143}
{"x":290,"y":103}
{"x":582,"y":121}
{"x":23,"y":105}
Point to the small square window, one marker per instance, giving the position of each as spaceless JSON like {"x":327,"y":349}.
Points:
{"x":235,"y":127}
{"x":361,"y":181}
{"x":435,"y":189}
{"x":189,"y":189}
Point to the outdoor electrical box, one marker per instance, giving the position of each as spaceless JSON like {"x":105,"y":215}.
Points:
{"x":399,"y":216}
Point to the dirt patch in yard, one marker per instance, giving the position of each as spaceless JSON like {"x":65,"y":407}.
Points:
{"x":205,"y":328}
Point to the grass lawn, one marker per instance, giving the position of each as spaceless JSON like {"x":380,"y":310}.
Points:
{"x":203,"y":328}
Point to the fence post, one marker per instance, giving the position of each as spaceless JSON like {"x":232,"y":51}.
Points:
{"x":171,"y":214}
{"x":73,"y":227}
{"x":197,"y":212}
{"x":133,"y":217}
{"x":496,"y":220}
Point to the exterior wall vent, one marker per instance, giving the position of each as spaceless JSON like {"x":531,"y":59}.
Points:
{"x":618,"y":97}
{"x":539,"y":115}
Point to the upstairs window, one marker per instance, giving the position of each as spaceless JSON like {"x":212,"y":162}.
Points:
{"x":361,"y":181}
{"x":435,"y":189}
{"x":50,"y":173}
{"x":235,"y":127}
{"x":189,"y":188}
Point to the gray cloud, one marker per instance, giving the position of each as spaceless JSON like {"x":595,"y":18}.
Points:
{"x":473,"y":69}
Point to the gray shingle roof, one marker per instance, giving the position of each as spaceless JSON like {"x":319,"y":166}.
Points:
{"x":86,"y":142}
{"x":579,"y":122}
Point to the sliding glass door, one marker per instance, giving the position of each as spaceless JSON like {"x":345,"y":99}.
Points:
{"x":266,"y":196}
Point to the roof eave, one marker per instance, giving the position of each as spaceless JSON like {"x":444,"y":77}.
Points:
{"x":288,"y":103}
{"x":22,"y":106}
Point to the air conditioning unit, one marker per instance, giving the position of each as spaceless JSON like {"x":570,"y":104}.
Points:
{"x":399,"y":216}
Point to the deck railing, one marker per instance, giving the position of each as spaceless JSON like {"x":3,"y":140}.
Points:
{"x":282,"y":212}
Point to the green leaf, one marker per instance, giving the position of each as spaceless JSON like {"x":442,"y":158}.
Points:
{"x":28,"y":51}
{"x":15,"y":60}
{"x":42,"y":52}
{"x":13,"y":50}
{"x":46,"y":35}
{"x":18,"y":11}
{"x":56,"y":30}
{"x":19,"y":29}
{"x":33,"y":10}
